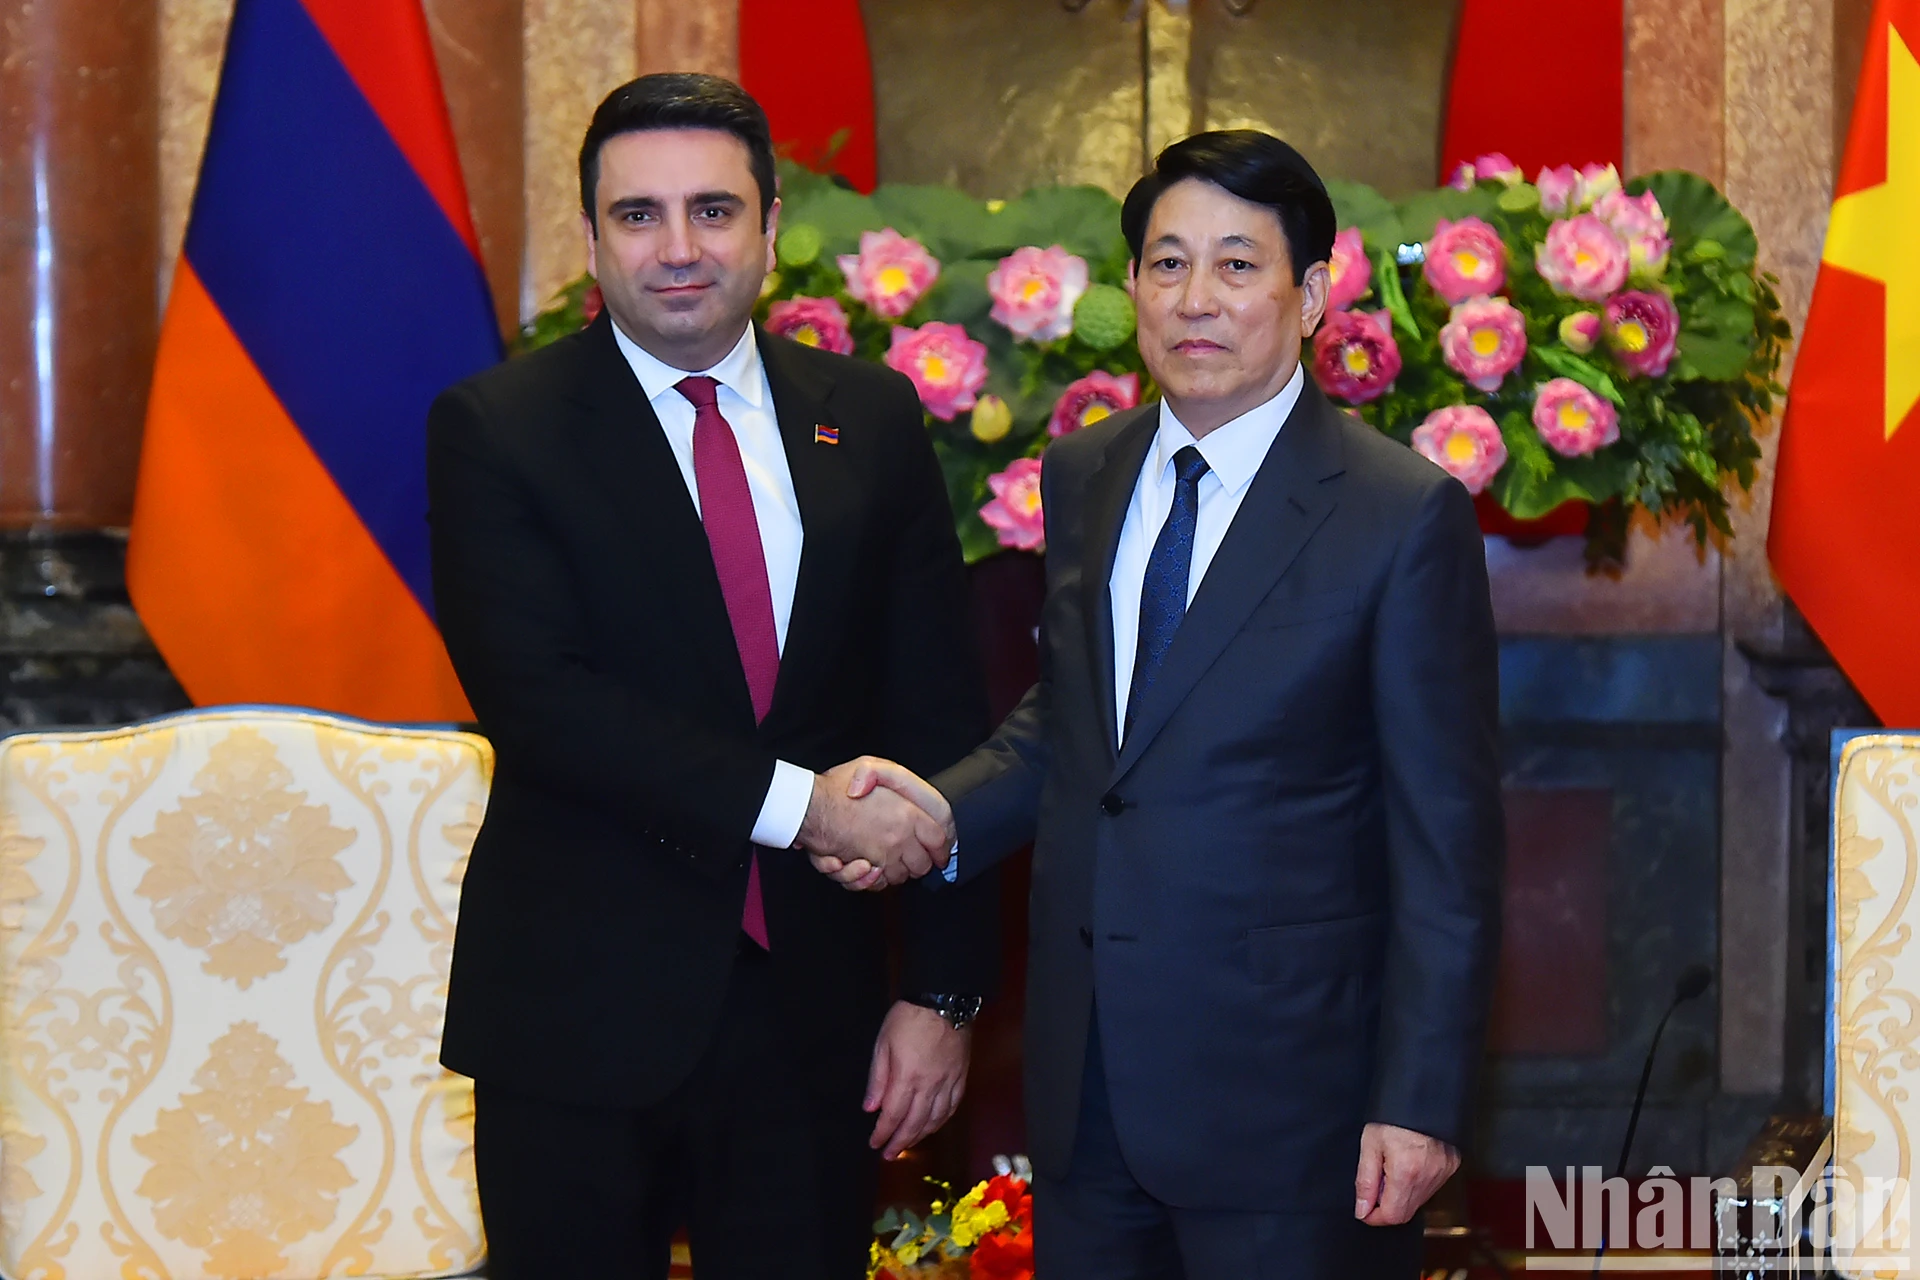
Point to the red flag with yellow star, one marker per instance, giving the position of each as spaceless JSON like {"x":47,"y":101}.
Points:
{"x":1845,"y":539}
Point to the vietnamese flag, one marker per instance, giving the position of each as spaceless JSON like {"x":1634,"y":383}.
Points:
{"x":330,"y":287}
{"x":1845,"y":539}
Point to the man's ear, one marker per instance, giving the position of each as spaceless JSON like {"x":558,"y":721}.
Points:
{"x":593,"y":244}
{"x":773,"y":233}
{"x":1314,"y":292}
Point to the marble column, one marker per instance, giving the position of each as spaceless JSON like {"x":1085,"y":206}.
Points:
{"x":688,"y":35}
{"x":1779,"y":155}
{"x":79,"y":174}
{"x":478,"y":44}
{"x":575,"y":55}
{"x":1675,"y":87}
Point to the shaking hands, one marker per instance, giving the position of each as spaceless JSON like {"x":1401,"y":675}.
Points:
{"x":872,"y":823}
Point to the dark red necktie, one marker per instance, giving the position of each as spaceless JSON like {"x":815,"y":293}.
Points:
{"x":733,"y":532}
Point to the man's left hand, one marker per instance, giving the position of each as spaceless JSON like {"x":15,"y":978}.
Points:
{"x":1399,"y":1171}
{"x":919,"y":1076}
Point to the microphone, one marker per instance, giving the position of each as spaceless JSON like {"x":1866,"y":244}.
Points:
{"x":1691,"y":985}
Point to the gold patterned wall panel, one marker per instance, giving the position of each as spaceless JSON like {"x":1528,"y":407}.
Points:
{"x":996,"y":96}
{"x":1876,"y":996}
{"x":224,"y":946}
{"x":1359,"y":89}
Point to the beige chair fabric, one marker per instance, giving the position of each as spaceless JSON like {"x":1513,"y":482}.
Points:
{"x":1876,"y":897}
{"x":224,"y":944}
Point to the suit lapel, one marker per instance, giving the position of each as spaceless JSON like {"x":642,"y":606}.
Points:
{"x":1291,"y":494}
{"x":625,"y":451}
{"x":828,"y":495}
{"x":1109,"y":493}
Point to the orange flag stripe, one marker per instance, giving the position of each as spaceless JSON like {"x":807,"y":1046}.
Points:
{"x":246,"y":561}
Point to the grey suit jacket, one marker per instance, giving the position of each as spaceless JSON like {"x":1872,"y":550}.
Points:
{"x":1283,"y":891}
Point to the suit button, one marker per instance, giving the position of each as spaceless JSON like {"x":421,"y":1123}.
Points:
{"x":1111,"y":804}
{"x":1086,"y":936}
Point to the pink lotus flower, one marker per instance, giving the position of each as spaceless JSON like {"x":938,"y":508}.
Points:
{"x":1580,"y":331}
{"x":1484,"y":340}
{"x":1355,"y":356}
{"x":947,"y":367}
{"x":1465,"y":258}
{"x":1573,"y":420}
{"x":1462,"y":179}
{"x":1014,"y":514}
{"x":1034,"y":290}
{"x":1639,"y":221}
{"x":1557,"y":188}
{"x":1583,"y":258}
{"x":1350,"y":269}
{"x":1495,"y":167}
{"x":1087,"y":400}
{"x":890,"y":273}
{"x":1642,"y":329}
{"x":1596,"y":180}
{"x":1463,"y":441}
{"x":816,"y":322}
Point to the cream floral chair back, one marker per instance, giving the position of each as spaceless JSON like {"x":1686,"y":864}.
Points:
{"x":224,"y":941}
{"x":1875,"y":1065}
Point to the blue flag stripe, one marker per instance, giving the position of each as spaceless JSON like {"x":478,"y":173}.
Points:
{"x":336,"y":269}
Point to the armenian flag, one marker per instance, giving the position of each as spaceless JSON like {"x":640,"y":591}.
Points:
{"x":1843,"y":539}
{"x":330,"y":286}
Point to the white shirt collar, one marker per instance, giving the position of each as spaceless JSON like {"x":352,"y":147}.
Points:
{"x":739,"y":370}
{"x":1235,"y":449}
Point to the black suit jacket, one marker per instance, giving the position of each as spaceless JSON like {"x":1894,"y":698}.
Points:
{"x":574,"y":585}
{"x":1283,"y":891}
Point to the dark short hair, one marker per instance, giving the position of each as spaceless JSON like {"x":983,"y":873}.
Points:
{"x":1257,"y":167}
{"x":679,"y":100}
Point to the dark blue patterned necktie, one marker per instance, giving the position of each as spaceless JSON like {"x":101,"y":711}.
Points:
{"x":1163,"y":593}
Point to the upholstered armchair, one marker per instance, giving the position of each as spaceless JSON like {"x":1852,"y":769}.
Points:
{"x":224,"y":944}
{"x":1874,"y":1069}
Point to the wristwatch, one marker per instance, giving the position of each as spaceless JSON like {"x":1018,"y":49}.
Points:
{"x":959,"y":1011}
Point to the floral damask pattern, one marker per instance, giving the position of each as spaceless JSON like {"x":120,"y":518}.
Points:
{"x":245,"y":867}
{"x":247,"y":1163}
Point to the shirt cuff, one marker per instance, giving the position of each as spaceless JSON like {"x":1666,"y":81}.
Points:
{"x":785,"y":807}
{"x":951,"y":871}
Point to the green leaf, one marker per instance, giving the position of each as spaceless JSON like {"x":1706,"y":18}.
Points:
{"x":1083,"y":220}
{"x":977,"y":542}
{"x":888,"y":1221}
{"x":1587,"y":374}
{"x":1386,"y":279}
{"x":1421,"y":213}
{"x":1519,"y":198}
{"x":839,"y":215}
{"x":1697,"y":212}
{"x":951,"y":223}
{"x":960,"y":296}
{"x":1357,"y":205}
{"x":1706,"y":250}
{"x":1702,"y":355}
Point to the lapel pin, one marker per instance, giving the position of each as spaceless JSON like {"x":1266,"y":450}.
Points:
{"x":824,"y":434}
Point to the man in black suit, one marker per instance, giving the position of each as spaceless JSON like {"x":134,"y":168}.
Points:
{"x":671,"y":596}
{"x":1259,"y":771}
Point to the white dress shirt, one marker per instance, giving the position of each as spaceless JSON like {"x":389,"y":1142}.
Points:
{"x":746,"y":402}
{"x":1234,"y":451}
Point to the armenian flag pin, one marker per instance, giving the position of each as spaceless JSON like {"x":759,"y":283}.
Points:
{"x":824,"y":434}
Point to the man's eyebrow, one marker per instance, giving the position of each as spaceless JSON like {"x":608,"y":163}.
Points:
{"x":1239,"y":241}
{"x":715,"y":197}
{"x":634,"y":204}
{"x":1167,"y":241}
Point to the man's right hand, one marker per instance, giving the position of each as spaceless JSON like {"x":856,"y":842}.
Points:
{"x":869,"y":836}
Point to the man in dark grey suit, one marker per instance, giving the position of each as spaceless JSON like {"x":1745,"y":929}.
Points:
{"x":1260,"y":775}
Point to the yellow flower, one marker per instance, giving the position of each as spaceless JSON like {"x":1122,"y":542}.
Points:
{"x":910,"y":1254}
{"x":971,"y":1220}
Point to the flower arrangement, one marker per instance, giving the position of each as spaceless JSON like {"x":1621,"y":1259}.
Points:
{"x":1569,"y":339}
{"x":986,"y":1234}
{"x":1613,"y":342}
